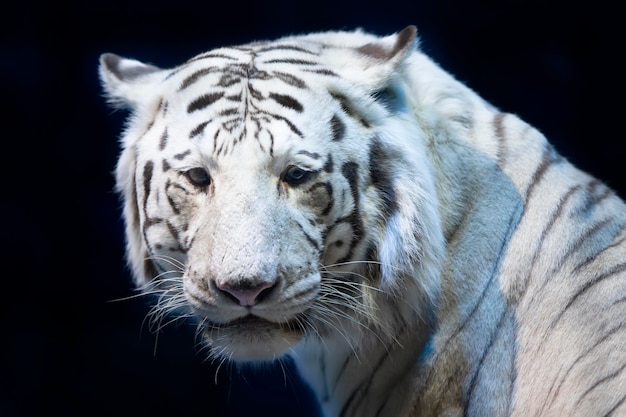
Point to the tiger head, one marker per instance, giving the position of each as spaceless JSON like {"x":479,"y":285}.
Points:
{"x":269,"y":190}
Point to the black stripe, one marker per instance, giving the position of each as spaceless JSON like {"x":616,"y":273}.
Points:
{"x":289,"y":79}
{"x":229,"y":112}
{"x":599,"y":382}
{"x":191,"y":79}
{"x":596,"y":193}
{"x":592,"y":282}
{"x":472,"y":385}
{"x":211,"y":55}
{"x":381,"y":174}
{"x":286,"y":48}
{"x":373,"y":268}
{"x":176,"y":234}
{"x":160,"y":105}
{"x":163,"y":141}
{"x":613,"y":271}
{"x":498,"y":127}
{"x":351,"y":399}
{"x":619,"y":242}
{"x":234,"y":97}
{"x":512,"y":385}
{"x":322,"y":71}
{"x":149,"y":126}
{"x":204,"y":101}
{"x":148,"y":223}
{"x":182,"y":155}
{"x":198,"y":130}
{"x":615,"y":407}
{"x":350,"y":171}
{"x":547,"y":159}
{"x":215,"y":136}
{"x":554,"y":390}
{"x":344,"y":367}
{"x":312,"y":155}
{"x":175,"y":71}
{"x":148,"y":170}
{"x":151,"y":221}
{"x":578,"y":243}
{"x":188,"y":240}
{"x":618,"y":301}
{"x":247,"y":48}
{"x":255,"y":74}
{"x":362,"y":389}
{"x":228,"y":79}
{"x":337,"y":127}
{"x":291,"y":126}
{"x":313,"y":242}
{"x":594,"y":256}
{"x":555,"y":215}
{"x":232,"y":124}
{"x":382,"y":407}
{"x":347,"y":108}
{"x":242,"y":135}
{"x":290,"y":61}
{"x":221,"y":149}
{"x":287,"y":101}
{"x":329,"y":166}
{"x":255,"y":93}
{"x":271,"y":143}
{"x":590,"y":198}
{"x":463,"y":119}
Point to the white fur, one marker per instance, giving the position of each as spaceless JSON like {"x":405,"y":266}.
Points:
{"x":485,"y":250}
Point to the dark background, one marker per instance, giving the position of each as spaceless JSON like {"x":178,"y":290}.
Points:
{"x":64,"y":346}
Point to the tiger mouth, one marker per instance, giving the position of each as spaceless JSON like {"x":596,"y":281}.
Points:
{"x":251,"y":322}
{"x":252,"y":338}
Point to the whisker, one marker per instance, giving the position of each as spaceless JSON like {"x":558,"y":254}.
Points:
{"x":151,"y":288}
{"x":168,"y":259}
{"x":325,"y":318}
{"x":396,"y":292}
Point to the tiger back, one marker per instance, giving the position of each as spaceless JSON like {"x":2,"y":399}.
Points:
{"x":339,"y":198}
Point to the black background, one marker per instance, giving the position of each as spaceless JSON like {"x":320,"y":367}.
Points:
{"x":67,"y":348}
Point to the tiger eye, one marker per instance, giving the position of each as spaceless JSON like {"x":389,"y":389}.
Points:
{"x":294,"y":175}
{"x":198,"y":177}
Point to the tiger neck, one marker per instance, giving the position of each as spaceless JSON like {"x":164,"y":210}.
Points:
{"x":367,"y":379}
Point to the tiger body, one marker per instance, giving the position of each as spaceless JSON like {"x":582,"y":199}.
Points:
{"x":339,"y":198}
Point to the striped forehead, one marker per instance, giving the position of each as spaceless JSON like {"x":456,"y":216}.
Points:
{"x":232,"y":95}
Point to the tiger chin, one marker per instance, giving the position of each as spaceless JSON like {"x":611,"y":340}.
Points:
{"x":339,"y":198}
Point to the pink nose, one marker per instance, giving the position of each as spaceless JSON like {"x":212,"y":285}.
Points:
{"x":247,"y":294}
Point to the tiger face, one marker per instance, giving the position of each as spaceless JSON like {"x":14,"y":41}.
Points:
{"x":260,"y":193}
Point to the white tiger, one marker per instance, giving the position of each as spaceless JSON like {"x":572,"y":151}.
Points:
{"x":339,"y":198}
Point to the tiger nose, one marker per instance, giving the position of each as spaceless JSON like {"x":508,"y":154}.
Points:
{"x":245,"y":293}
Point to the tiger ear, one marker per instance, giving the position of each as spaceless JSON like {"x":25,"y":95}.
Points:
{"x":390,"y":48}
{"x":373,"y":60}
{"x":126,"y":82}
